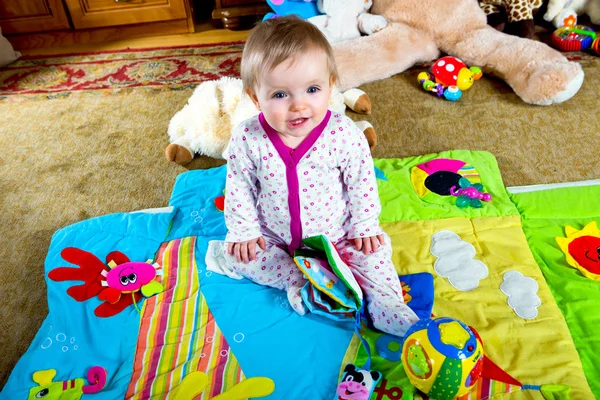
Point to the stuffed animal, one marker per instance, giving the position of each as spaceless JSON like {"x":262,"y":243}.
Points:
{"x":203,"y":126}
{"x":302,"y":8}
{"x":514,"y":17}
{"x":561,"y":11}
{"x":7,"y":54}
{"x":417,"y":31}
{"x":346,"y":19}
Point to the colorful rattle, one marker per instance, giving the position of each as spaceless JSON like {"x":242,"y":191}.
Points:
{"x":576,"y":38}
{"x":449,"y":77}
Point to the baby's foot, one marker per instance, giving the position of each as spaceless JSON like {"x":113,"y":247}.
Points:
{"x":396,"y":321}
{"x":295,"y":299}
{"x":216,"y":262}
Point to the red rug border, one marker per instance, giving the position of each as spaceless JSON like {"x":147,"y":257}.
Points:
{"x":10,"y":67}
{"x":91,"y":53}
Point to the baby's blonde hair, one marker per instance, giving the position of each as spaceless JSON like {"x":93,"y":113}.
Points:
{"x":277,"y":39}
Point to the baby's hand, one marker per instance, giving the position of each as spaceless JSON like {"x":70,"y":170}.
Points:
{"x":368,"y":244}
{"x":245,"y":251}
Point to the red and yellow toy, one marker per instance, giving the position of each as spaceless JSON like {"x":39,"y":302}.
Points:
{"x":449,"y":77}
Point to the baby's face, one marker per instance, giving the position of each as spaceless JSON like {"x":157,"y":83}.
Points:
{"x":294,"y":96}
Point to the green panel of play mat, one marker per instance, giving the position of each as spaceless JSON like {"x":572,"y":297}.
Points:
{"x":545,"y":215}
{"x":400,"y":201}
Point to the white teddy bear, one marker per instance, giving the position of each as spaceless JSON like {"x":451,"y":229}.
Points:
{"x":203,"y":126}
{"x":346,"y":19}
{"x":559,"y":10}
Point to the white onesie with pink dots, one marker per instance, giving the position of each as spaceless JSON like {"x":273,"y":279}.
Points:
{"x":325,"y":186}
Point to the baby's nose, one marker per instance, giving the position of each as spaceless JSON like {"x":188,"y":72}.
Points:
{"x":298,"y":105}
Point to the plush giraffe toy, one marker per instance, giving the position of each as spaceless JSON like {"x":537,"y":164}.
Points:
{"x":514,"y":17}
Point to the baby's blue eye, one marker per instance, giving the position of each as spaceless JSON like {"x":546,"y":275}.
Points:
{"x":279,"y":95}
{"x":313,"y":89}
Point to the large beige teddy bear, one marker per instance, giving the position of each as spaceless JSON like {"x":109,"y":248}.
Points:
{"x":346,"y":19}
{"x":203,"y":126}
{"x":418,"y":30}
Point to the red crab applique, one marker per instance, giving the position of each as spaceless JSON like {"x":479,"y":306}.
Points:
{"x":116,"y":282}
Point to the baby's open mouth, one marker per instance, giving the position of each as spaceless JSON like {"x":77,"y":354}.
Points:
{"x":295,"y":123}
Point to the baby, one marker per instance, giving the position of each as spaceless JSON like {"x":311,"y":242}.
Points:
{"x":298,"y":170}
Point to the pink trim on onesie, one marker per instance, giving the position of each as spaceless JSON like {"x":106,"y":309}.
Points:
{"x":291,"y":158}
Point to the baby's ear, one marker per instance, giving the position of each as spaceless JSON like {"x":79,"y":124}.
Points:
{"x":331,"y":84}
{"x":254,"y":98}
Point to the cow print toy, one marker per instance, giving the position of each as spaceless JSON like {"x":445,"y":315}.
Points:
{"x":357,"y":384}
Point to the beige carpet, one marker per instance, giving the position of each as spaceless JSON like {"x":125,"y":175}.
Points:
{"x":532,"y":144}
{"x":78,"y":157}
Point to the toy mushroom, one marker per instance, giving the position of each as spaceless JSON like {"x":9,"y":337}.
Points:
{"x":450,"y":71}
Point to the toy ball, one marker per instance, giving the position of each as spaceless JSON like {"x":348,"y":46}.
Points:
{"x":450,"y":71}
{"x":442,"y":357}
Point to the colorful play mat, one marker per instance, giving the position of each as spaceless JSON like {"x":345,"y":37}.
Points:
{"x":510,"y":278}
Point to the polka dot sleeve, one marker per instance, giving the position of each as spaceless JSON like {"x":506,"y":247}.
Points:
{"x":359,"y":178}
{"x":241,"y":216}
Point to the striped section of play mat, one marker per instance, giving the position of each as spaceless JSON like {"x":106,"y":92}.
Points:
{"x":178,"y":334}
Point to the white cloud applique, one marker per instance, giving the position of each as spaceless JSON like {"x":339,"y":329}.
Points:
{"x":455,"y":261}
{"x":521,"y":291}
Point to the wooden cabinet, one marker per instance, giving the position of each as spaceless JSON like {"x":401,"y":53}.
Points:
{"x":240,"y":14}
{"x":102,"y":13}
{"x":18,"y":16}
{"x":236,"y":3}
{"x":40,"y":23}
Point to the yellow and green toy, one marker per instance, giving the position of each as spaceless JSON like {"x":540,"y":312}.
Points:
{"x":71,"y":389}
{"x":442,"y":357}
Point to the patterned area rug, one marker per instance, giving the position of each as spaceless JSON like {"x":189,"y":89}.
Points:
{"x":165,"y":68}
{"x":105,"y":73}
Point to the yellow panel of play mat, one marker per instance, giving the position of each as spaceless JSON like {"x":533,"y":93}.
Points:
{"x":537,"y":351}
